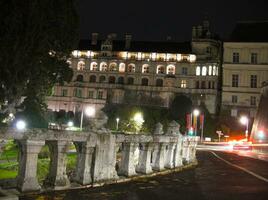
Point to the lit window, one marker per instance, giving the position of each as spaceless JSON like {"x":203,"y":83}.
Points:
{"x":183,"y":84}
{"x":179,"y":57}
{"x":131,"y":67}
{"x":103,"y":67}
{"x":160,"y":69}
{"x":204,"y":71}
{"x":139,"y":56}
{"x":76,"y":53}
{"x":210,"y":70}
{"x":153,"y":56}
{"x":145,"y":68}
{"x":214,"y":70}
{"x":93,"y":66}
{"x":81,"y":65}
{"x":197,"y":71}
{"x":171,"y":69}
{"x":254,"y":58}
{"x":90,"y":54}
{"x":112,"y":67}
{"x":235,"y":57}
{"x":191,"y":58}
{"x":122,"y":67}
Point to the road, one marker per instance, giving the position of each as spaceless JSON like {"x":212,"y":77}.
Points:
{"x":219,"y":175}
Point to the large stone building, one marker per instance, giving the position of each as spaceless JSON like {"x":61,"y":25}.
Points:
{"x":143,"y":73}
{"x":245,"y":68}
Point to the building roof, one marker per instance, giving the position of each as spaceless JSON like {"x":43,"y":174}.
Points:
{"x":250,"y":31}
{"x":141,"y":46}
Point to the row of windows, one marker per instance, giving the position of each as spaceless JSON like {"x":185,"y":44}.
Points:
{"x":79,"y":93}
{"x":253,"y":100}
{"x":253,"y":58}
{"x":204,"y":71}
{"x":253,"y":81}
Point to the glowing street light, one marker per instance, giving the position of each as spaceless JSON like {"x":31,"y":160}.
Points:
{"x":89,"y":111}
{"x":117,"y":122}
{"x":20,"y":125}
{"x":70,"y":124}
{"x":196,"y":112}
{"x":244,"y":120}
{"x":138,"y":118}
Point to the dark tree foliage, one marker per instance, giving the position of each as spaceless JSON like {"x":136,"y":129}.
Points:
{"x":36,"y":38}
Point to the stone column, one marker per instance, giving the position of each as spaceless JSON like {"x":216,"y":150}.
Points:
{"x":159,"y":152}
{"x":144,"y":165}
{"x":127,"y":163}
{"x":169,"y":161}
{"x":28,"y":155}
{"x":83,"y":171}
{"x":57,"y":177}
{"x":185,"y":150}
{"x":178,"y":154}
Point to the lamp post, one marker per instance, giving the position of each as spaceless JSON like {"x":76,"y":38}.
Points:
{"x":244,"y":120}
{"x":196,"y":113}
{"x":117,"y":122}
{"x":89,"y":111}
{"x":138,"y":118}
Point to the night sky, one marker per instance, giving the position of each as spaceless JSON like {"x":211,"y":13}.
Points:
{"x":157,"y":19}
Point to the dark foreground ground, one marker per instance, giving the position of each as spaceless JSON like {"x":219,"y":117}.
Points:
{"x":211,"y":179}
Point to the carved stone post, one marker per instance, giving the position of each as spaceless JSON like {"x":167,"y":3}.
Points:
{"x":57,"y":177}
{"x":144,"y":165}
{"x":169,"y":162}
{"x":127,"y":164}
{"x":185,"y":150}
{"x":26,"y":179}
{"x":159,"y":152}
{"x":83,"y":171}
{"x":178,"y":153}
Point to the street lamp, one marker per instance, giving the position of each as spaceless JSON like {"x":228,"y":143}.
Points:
{"x":70,"y":124}
{"x":196,"y":112}
{"x":20,"y":125}
{"x":138,"y":118}
{"x":117,"y":122}
{"x":244,"y":120}
{"x":89,"y":111}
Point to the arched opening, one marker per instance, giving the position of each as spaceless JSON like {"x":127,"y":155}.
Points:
{"x":112,"y":79}
{"x":112,"y":67}
{"x":130,"y":81}
{"x":144,"y":81}
{"x":122,"y":67}
{"x":198,"y":71}
{"x":81,"y":65}
{"x":159,"y":83}
{"x":131,"y":67}
{"x":92,"y":79}
{"x":204,"y":71}
{"x":120,"y":80}
{"x":93,"y":66}
{"x":103,"y":67}
{"x":80,"y":78}
{"x":160,"y":69}
{"x":145,"y":68}
{"x":171,"y":69}
{"x":102,"y":79}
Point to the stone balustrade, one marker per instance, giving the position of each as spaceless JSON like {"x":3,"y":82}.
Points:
{"x":101,"y":155}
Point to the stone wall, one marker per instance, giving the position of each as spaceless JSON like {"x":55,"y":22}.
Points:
{"x":101,"y":155}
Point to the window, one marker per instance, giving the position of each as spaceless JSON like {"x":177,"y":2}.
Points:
{"x":213,"y":85}
{"x":100,"y":95}
{"x":253,"y":101}
{"x":160,"y":69}
{"x":183,"y":84}
{"x":204,"y":71}
{"x":235,"y":79}
{"x":144,"y":81}
{"x":159,"y":82}
{"x":145,"y":68}
{"x":112,"y":67}
{"x":203,"y":85}
{"x":102,"y":79}
{"x":93,"y":66}
{"x":122,"y":67}
{"x":197,"y":71}
{"x":235,"y":57}
{"x":130,"y":81}
{"x":197,"y":85}
{"x":254,"y":58}
{"x":234,"y":112}
{"x":64,"y":92}
{"x":77,"y":92}
{"x":81,"y":65}
{"x":214,"y":70}
{"x":234,"y":99}
{"x":91,"y":94}
{"x":131,"y":68}
{"x":79,"y":78}
{"x":171,"y":69}
{"x":209,"y":85}
{"x":208,"y":50}
{"x":184,"y":71}
{"x":92,"y":79}
{"x":253,"y":81}
{"x":103,"y":66}
{"x":120,"y":80}
{"x":112,"y":79}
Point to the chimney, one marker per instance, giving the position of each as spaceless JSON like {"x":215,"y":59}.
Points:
{"x":128,"y":38}
{"x":94,"y":38}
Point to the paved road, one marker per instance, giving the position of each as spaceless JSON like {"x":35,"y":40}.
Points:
{"x":225,"y":177}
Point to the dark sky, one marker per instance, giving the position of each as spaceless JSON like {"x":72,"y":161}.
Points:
{"x":157,"y":19}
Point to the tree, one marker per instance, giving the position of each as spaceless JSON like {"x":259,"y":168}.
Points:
{"x":36,"y":40}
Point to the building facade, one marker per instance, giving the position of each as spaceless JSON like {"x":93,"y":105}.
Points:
{"x":142,"y":73}
{"x":245,"y":69}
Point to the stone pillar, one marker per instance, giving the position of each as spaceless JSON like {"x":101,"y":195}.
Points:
{"x":83,"y":171}
{"x":105,"y":158}
{"x":144,"y":165}
{"x":57,"y":177}
{"x":158,"y":160}
{"x":127,"y":163}
{"x":178,"y":153}
{"x":169,"y":161}
{"x":28,"y":155}
{"x":185,"y":151}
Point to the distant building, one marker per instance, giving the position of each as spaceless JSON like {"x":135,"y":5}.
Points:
{"x":245,"y":68}
{"x":142,"y":72}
